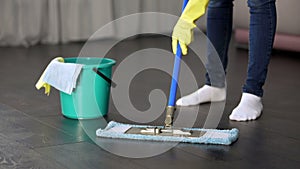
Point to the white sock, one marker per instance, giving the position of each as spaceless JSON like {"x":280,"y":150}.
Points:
{"x":203,"y":95}
{"x":249,"y":108}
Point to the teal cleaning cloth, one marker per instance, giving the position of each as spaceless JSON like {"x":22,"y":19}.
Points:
{"x":211,"y":136}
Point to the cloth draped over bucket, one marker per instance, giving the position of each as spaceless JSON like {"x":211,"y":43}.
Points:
{"x":60,"y":75}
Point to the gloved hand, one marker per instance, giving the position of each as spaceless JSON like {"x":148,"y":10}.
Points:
{"x":183,"y":30}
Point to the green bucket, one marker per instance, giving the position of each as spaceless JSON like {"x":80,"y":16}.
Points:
{"x":90,"y":98}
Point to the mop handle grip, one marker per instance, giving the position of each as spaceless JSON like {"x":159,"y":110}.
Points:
{"x":176,"y":69}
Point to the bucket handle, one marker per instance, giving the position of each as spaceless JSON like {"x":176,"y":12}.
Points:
{"x":108,"y":80}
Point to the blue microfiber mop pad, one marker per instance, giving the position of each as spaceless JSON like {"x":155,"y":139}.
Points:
{"x":212,"y":136}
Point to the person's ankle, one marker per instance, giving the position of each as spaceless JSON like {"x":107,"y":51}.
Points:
{"x":203,"y":95}
{"x":249,"y":108}
{"x":217,"y":93}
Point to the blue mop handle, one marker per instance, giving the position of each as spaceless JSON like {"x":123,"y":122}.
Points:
{"x":176,"y":69}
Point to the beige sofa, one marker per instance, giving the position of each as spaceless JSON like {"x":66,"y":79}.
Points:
{"x":288,"y":24}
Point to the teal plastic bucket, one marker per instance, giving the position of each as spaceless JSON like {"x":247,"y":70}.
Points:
{"x":90,"y":98}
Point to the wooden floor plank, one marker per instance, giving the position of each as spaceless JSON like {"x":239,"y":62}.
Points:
{"x":16,"y":155}
{"x":33,"y":132}
{"x":86,"y":155}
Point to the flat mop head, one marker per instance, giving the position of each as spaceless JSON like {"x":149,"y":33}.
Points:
{"x":159,"y":133}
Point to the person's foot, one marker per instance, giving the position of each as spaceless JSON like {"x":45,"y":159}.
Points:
{"x":249,"y":108}
{"x":203,"y":95}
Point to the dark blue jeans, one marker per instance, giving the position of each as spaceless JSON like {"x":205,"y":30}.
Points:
{"x":261,"y":36}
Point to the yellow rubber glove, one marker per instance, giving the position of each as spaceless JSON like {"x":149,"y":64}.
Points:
{"x":41,"y":83}
{"x":183,"y":30}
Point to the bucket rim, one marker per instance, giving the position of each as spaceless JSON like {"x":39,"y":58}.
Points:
{"x":110,"y":62}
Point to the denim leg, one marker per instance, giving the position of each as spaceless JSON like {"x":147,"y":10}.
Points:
{"x":261,"y":37}
{"x":219,"y":28}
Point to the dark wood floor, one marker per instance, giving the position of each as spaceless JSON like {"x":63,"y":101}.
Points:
{"x":34,"y":134}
